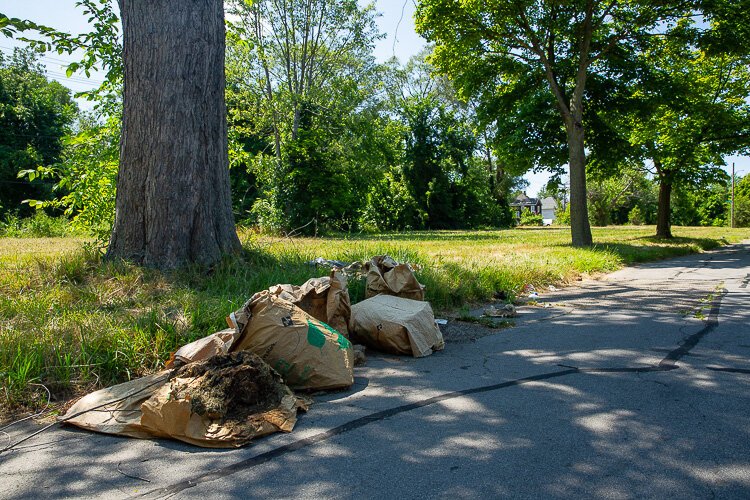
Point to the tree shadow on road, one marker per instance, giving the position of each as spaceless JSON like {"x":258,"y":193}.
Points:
{"x":495,"y":417}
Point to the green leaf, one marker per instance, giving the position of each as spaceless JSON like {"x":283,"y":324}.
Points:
{"x":72,"y":68}
{"x":26,"y":173}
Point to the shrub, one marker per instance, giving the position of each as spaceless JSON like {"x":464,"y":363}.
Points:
{"x":562,"y":215}
{"x":635,"y":217}
{"x":530,"y":219}
{"x":742,"y":212}
{"x":40,"y":225}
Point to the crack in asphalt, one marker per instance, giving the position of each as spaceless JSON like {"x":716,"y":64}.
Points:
{"x":728,"y":370}
{"x":670,"y":361}
{"x":667,"y":364}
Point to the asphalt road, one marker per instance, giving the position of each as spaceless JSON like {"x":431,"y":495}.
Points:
{"x":636,"y":385}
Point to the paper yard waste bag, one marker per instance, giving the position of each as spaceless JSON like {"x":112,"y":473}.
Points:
{"x":325,"y":299}
{"x":396,"y":325}
{"x":116,"y":409}
{"x":307,"y":353}
{"x":218,"y":403}
{"x":386,"y":276}
{"x":202,"y":349}
{"x":222,"y":402}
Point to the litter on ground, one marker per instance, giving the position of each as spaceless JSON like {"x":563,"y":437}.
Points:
{"x":396,"y":325}
{"x":506,"y":311}
{"x":388,"y":277}
{"x":222,"y":402}
{"x":234,"y":385}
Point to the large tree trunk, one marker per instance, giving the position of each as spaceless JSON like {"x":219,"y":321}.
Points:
{"x":579,"y":216}
{"x":173,"y":198}
{"x":664,"y":211}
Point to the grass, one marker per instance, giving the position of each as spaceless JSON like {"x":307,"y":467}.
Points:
{"x":71,"y":322}
{"x":40,"y":225}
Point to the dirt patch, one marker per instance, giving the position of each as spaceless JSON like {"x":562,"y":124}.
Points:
{"x":229,"y":387}
{"x":456,"y":332}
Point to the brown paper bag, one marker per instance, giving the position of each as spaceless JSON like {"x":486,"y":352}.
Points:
{"x":325,"y":299}
{"x":388,"y":277}
{"x":198,"y":405}
{"x":396,"y":325}
{"x":202,"y":349}
{"x":223,"y":402}
{"x":308,"y":353}
{"x":117,"y":409}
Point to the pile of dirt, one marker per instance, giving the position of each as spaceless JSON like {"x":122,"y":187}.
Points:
{"x":229,"y":387}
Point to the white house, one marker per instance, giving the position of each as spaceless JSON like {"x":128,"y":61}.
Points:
{"x":549,"y":205}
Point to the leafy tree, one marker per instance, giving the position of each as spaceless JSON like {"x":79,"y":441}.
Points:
{"x":608,"y":194}
{"x":685,"y":109}
{"x":437,"y":153}
{"x":301,"y":47}
{"x":742,"y":212}
{"x":85,"y":176}
{"x":742,"y":202}
{"x":742,"y":187}
{"x":706,"y":206}
{"x":635,"y":216}
{"x":390,"y":205}
{"x":302,"y":87}
{"x":540,"y":54}
{"x":173,"y":200}
{"x":35,"y":115}
{"x":562,"y":215}
{"x":448,"y":165}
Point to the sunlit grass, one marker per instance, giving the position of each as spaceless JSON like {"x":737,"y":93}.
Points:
{"x":72,"y":322}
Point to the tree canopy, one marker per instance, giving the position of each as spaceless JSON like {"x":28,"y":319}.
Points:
{"x":635,"y":99}
{"x":522,"y":59}
{"x":35,"y":115}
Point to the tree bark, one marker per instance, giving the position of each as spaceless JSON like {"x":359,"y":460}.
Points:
{"x":572,"y":115}
{"x":580,"y":227}
{"x":664,"y":210}
{"x":173,"y":202}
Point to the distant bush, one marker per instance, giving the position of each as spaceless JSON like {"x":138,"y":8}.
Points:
{"x":530,"y":219}
{"x":562,"y":216}
{"x":742,"y":212}
{"x":635,"y":217}
{"x":40,"y":225}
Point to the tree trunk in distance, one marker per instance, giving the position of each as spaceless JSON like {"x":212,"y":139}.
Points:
{"x":173,"y":202}
{"x":664,"y":212}
{"x":580,"y":228}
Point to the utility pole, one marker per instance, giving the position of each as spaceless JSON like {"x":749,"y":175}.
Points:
{"x":731,"y":216}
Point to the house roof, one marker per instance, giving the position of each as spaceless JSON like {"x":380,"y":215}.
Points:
{"x":549,"y":202}
{"x":524,"y":201}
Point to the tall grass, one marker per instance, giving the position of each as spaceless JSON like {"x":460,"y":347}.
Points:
{"x":40,"y":225}
{"x":71,"y":322}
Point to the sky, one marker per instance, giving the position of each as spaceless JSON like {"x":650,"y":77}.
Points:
{"x":396,"y":20}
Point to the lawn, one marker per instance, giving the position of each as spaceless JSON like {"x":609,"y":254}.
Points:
{"x":71,"y":322}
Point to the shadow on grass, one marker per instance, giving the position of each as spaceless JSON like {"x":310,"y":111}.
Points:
{"x":650,"y":248}
{"x":498,"y":234}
